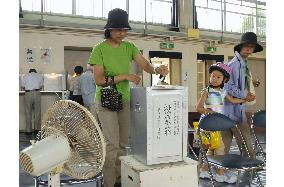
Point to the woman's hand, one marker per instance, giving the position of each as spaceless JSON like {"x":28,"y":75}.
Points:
{"x":163,"y":70}
{"x":147,"y":66}
{"x":250,"y":97}
{"x":133,"y":78}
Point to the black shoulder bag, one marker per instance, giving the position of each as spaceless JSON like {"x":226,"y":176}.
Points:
{"x":110,"y":97}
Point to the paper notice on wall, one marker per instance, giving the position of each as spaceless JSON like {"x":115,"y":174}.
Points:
{"x":30,"y":55}
{"x":45,"y":55}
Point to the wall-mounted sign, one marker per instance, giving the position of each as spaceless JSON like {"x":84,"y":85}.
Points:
{"x":45,"y":55}
{"x":211,"y":49}
{"x":30,"y":55}
{"x":167,"y":45}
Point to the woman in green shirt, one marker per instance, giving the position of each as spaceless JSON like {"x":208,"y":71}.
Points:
{"x":113,"y":57}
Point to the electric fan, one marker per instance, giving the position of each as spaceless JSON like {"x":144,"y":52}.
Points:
{"x":72,"y":143}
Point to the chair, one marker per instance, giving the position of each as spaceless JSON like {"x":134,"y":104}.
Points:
{"x":258,"y":120}
{"x":219,"y":122}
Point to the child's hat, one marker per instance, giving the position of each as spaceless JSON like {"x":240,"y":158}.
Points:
{"x":224,"y":68}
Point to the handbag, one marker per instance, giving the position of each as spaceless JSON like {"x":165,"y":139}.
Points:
{"x":110,"y":97}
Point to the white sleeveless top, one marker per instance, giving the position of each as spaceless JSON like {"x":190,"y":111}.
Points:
{"x":215,"y":100}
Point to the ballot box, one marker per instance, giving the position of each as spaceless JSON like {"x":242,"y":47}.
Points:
{"x":159,"y":116}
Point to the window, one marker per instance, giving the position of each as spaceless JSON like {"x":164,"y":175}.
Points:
{"x":261,"y":20}
{"x":31,"y":5}
{"x":208,"y":10}
{"x":89,"y":8}
{"x":158,"y":11}
{"x":111,"y":4}
{"x":55,"y":6}
{"x":201,"y":3}
{"x":205,"y":17}
{"x":238,"y":15}
{"x":137,"y":10}
{"x":239,"y":23}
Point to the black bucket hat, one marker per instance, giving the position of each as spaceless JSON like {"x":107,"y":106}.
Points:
{"x":249,"y":37}
{"x":117,"y":18}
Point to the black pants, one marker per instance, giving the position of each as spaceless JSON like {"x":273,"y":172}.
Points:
{"x":77,"y":98}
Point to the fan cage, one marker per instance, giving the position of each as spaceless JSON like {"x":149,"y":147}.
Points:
{"x":84,"y":135}
{"x":26,"y":163}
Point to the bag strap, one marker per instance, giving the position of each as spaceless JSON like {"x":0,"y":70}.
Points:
{"x":112,"y":80}
{"x":112,"y":83}
{"x":106,"y":80}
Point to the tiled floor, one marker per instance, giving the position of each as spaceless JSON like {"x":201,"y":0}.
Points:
{"x":27,"y":180}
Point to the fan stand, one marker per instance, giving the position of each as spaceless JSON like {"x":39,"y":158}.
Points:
{"x":54,"y":180}
{"x":54,"y":177}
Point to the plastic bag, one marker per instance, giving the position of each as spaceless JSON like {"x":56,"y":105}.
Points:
{"x":211,"y":140}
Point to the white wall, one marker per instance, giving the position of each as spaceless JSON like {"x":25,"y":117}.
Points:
{"x":57,"y":41}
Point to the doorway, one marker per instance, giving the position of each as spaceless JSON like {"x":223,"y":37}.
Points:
{"x":170,"y":59}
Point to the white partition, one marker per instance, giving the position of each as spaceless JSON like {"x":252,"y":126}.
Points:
{"x":54,"y":82}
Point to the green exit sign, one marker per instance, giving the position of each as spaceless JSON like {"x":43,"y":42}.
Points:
{"x":167,"y":45}
{"x":211,"y":49}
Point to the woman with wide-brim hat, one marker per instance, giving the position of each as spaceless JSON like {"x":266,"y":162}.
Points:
{"x":249,"y":38}
{"x":240,"y":86}
{"x":113,"y":58}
